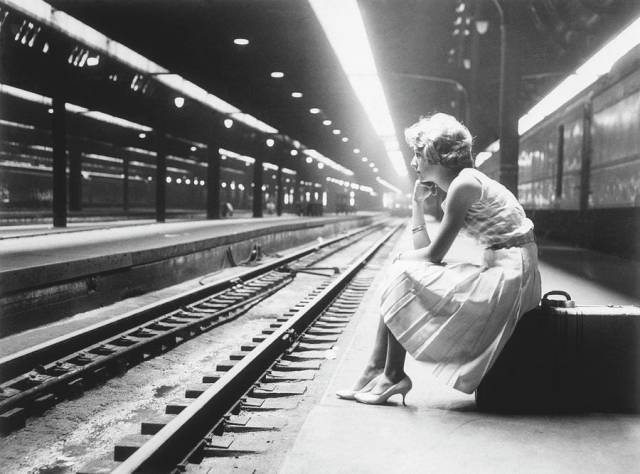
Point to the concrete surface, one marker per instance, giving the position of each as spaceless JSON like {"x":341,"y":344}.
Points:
{"x":440,"y":429}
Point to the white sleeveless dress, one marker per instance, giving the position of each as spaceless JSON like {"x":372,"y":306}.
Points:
{"x":457,"y":317}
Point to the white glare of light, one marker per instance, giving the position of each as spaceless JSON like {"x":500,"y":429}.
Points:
{"x":294,"y":152}
{"x":356,"y":150}
{"x":372,"y":165}
{"x":223,"y":184}
{"x":45,"y":48}
{"x":277,"y":74}
{"x":196,"y":182}
{"x":233,"y":185}
{"x":320,"y":166}
{"x":460,"y":8}
{"x":241,"y":187}
{"x":335,"y":131}
{"x":345,"y":139}
{"x":142,"y":135}
{"x":326,"y":122}
{"x":187,"y":181}
{"x":179,"y":102}
{"x":202,"y":183}
{"x":228,"y":123}
{"x":482,"y":157}
{"x":296,"y":95}
{"x":270,"y":142}
{"x":309,"y":159}
{"x":375,"y":170}
{"x":93,"y":61}
{"x":241,"y":41}
{"x":50,"y":111}
{"x":388,"y":185}
{"x":365,"y":159}
{"x":168,"y":179}
{"x":342,"y":23}
{"x":193,"y":148}
{"x":597,"y":65}
{"x":314,"y":110}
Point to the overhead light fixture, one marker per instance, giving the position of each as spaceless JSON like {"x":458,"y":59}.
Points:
{"x":320,"y":166}
{"x":375,"y":170}
{"x":294,"y":152}
{"x":277,"y":74}
{"x":193,"y":148}
{"x":345,"y":139}
{"x":241,"y":41}
{"x":596,"y":66}
{"x":270,"y":142}
{"x":179,"y":102}
{"x":342,"y":23}
{"x":326,"y":122}
{"x":93,"y":60}
{"x":45,"y":48}
{"x":50,"y":110}
{"x":309,"y":159}
{"x":356,"y":150}
{"x":228,"y":123}
{"x":314,"y":110}
{"x":142,"y":135}
{"x":296,"y":95}
{"x":372,"y":165}
{"x":365,"y":159}
{"x":335,"y":131}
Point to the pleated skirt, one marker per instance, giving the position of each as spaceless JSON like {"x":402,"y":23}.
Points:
{"x":456,"y":318}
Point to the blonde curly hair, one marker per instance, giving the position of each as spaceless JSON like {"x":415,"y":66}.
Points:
{"x":447,"y":141}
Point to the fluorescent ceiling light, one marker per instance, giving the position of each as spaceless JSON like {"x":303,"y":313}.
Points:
{"x":319,"y":157}
{"x":236,"y":156}
{"x":72,"y":108}
{"x":343,"y":25}
{"x":296,"y":95}
{"x":277,"y":74}
{"x":241,"y":41}
{"x":388,"y":185}
{"x":597,"y":65}
{"x":75,"y":29}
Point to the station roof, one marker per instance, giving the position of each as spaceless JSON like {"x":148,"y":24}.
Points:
{"x":413,"y":41}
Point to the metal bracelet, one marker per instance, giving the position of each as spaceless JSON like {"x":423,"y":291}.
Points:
{"x":418,"y":228}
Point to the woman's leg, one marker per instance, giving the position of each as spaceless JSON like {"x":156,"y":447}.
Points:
{"x":378,"y":356}
{"x":394,"y":365}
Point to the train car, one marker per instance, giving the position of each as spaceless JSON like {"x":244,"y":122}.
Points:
{"x":579,"y":169}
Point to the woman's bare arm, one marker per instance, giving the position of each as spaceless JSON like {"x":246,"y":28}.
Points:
{"x":462,"y":194}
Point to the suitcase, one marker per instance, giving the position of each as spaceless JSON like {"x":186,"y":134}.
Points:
{"x":563,"y":357}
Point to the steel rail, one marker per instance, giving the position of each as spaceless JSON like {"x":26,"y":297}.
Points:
{"x":168,"y":447}
{"x":18,"y":363}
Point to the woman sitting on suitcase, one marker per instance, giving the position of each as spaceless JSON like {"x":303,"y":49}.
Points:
{"x":454,"y":317}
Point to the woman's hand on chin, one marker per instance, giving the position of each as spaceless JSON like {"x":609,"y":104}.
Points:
{"x":423,"y":190}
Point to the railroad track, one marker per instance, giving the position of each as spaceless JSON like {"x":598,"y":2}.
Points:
{"x":196,"y":427}
{"x":38,"y":378}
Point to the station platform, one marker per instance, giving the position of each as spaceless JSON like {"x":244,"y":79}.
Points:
{"x":97,"y":264}
{"x":440,"y":429}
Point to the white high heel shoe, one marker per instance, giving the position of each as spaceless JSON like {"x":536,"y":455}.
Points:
{"x":348,"y":394}
{"x":402,"y":387}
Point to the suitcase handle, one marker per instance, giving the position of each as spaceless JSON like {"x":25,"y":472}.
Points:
{"x":547,"y":302}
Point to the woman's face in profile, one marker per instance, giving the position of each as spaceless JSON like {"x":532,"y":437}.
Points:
{"x":421,"y":164}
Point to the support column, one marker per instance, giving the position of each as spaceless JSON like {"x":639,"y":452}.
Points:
{"x":161,"y":174}
{"x":213,"y":180}
{"x":75,"y":178}
{"x":59,"y":129}
{"x":509,"y":97}
{"x":257,"y":188}
{"x":125,"y":182}
{"x":280,"y":194}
